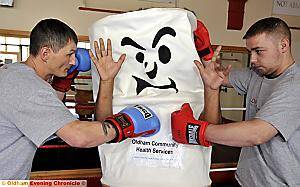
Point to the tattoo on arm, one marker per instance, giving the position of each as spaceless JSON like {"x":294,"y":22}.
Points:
{"x":105,"y":127}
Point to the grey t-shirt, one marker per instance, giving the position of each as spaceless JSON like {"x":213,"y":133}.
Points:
{"x":30,"y":112}
{"x":276,"y":101}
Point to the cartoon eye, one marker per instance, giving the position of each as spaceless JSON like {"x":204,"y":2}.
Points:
{"x":140,"y":57}
{"x":164,"y":54}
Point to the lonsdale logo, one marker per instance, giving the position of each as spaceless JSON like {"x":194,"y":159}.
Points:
{"x":144,"y":111}
{"x":192,"y":133}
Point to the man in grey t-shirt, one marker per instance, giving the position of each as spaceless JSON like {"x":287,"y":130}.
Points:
{"x":30,"y":110}
{"x":270,"y":134}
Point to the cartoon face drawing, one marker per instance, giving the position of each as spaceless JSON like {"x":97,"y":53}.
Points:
{"x":164,"y":55}
{"x":159,"y":53}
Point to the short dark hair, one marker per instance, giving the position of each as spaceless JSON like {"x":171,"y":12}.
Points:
{"x":270,"y":25}
{"x":52,"y":33}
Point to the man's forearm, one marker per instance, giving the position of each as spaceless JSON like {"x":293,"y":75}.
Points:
{"x":212,"y":110}
{"x":241,"y":134}
{"x":104,"y":100}
{"x":86,"y":134}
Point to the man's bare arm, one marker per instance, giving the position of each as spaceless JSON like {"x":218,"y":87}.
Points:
{"x":86,"y":134}
{"x":104,"y":100}
{"x":107,"y":69}
{"x":241,"y":134}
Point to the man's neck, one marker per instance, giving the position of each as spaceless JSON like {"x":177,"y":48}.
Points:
{"x":287,"y":63}
{"x":38,"y":66}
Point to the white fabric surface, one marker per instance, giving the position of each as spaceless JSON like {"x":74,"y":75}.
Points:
{"x":163,"y":57}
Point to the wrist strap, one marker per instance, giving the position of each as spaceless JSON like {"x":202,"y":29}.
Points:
{"x":123,"y":126}
{"x":203,"y":140}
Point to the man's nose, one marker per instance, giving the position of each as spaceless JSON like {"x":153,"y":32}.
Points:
{"x":253,"y":57}
{"x":72,"y":60}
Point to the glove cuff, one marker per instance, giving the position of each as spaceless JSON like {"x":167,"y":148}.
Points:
{"x":206,"y":53}
{"x":202,"y":139}
{"x":63,"y":84}
{"x":123,"y":126}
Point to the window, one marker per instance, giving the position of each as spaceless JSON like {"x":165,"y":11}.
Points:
{"x":13,"y":49}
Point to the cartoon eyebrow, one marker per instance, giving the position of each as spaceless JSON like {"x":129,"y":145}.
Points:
{"x":161,"y":33}
{"x":129,"y":41}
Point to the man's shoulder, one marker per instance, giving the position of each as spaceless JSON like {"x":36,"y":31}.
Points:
{"x":297,"y":68}
{"x":14,"y":70}
{"x":291,"y":75}
{"x":18,"y":78}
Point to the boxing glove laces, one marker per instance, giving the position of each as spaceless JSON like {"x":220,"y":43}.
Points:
{"x":134,"y":121}
{"x":186,"y":129}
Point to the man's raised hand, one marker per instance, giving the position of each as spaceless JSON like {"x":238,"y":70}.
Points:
{"x":212,"y":72}
{"x":106,"y":66}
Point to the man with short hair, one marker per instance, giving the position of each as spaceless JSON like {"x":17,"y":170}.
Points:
{"x":270,"y":134}
{"x":31,"y":111}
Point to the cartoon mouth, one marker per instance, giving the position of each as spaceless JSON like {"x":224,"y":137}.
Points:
{"x":142,"y":84}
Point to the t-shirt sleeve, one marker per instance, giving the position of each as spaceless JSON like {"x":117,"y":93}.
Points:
{"x":282,"y":109}
{"x":240,"y":80}
{"x":36,"y":111}
{"x":48,"y":114}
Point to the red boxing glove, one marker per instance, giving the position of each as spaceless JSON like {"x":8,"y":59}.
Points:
{"x":186,"y":129}
{"x":202,"y":42}
{"x":63,"y":84}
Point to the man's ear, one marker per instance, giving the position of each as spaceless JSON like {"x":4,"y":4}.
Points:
{"x":45,"y":53}
{"x":285,"y":45}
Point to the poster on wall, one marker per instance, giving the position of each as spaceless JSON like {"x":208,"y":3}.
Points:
{"x":9,"y":3}
{"x":286,"y":7}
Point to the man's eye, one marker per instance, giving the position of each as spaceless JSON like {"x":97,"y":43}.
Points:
{"x":259,"y":52}
{"x":70,"y":54}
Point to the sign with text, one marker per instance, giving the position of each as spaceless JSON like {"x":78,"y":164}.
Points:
{"x":286,"y":7}
{"x":9,"y":3}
